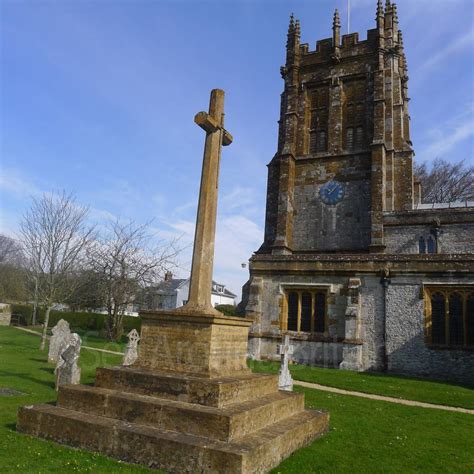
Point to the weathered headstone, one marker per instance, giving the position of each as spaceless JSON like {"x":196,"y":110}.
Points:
{"x":67,"y":370}
{"x":285,"y":381}
{"x":131,"y":351}
{"x":5,"y":314}
{"x":61,"y":333}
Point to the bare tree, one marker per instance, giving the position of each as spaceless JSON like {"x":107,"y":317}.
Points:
{"x":445,"y":181}
{"x":127,"y":260}
{"x":54,"y":237}
{"x":10,"y":250}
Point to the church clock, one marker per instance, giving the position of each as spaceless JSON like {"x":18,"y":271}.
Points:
{"x":331,"y":192}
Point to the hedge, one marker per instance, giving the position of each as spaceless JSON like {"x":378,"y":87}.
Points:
{"x":77,"y":320}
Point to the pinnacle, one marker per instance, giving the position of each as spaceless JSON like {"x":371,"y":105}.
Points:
{"x":291,"y":27}
{"x":336,"y":21}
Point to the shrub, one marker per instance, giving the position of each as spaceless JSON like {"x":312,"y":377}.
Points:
{"x":227,"y":309}
{"x":77,"y":320}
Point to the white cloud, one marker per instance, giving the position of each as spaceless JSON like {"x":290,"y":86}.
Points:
{"x":15,"y":183}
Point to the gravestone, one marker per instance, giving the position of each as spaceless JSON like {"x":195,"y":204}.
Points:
{"x":5,"y":314}
{"x":285,"y":381}
{"x":61,"y":333}
{"x":131,"y":351}
{"x":189,"y":403}
{"x":67,"y":369}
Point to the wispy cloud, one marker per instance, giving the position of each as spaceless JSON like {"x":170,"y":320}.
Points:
{"x":455,"y":46}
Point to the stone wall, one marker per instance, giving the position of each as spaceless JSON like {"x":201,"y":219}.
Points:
{"x":453,"y":238}
{"x":345,"y":226}
{"x":407,"y":352}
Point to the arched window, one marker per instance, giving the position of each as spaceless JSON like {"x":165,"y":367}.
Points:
{"x":438,"y":315}
{"x":320,"y":312}
{"x":431,"y":244}
{"x":350,"y":139}
{"x":421,"y":245}
{"x":359,"y":138}
{"x":306,"y":309}
{"x":293,"y":311}
{"x":450,"y":314}
{"x":456,"y":330}
{"x":322,"y":141}
{"x":470,"y":319}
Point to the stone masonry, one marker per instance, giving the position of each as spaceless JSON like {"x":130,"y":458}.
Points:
{"x":344,"y":223}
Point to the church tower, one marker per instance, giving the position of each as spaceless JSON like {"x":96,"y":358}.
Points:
{"x":344,"y":152}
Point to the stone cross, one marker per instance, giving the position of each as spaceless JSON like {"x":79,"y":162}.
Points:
{"x":285,"y":382}
{"x":212,"y":123}
{"x":67,"y":371}
{"x":131,"y":351}
{"x":61,"y":332}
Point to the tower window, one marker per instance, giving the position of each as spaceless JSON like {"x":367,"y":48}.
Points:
{"x":306,"y":311}
{"x":322,"y":141}
{"x":359,"y":138}
{"x":319,"y":120}
{"x":350,"y":139}
{"x":450,"y":316}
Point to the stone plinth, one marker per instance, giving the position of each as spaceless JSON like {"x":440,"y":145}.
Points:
{"x":179,"y":423}
{"x":189,"y":404}
{"x":184,"y":342}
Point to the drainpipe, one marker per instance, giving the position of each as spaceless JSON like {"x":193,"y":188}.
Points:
{"x":385,"y":282}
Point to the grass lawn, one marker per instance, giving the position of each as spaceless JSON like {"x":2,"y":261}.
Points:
{"x":366,"y":436}
{"x":428,"y":391}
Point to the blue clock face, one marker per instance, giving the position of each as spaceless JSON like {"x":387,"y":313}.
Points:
{"x":331,"y":192}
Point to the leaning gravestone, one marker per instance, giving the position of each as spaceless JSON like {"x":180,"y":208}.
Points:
{"x":131,"y":351}
{"x":285,"y":381}
{"x":67,"y":371}
{"x":61,"y":333}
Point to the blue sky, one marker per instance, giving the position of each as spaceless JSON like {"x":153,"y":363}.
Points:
{"x":98,"y":98}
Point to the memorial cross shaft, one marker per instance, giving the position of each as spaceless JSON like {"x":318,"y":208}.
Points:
{"x":212,"y":123}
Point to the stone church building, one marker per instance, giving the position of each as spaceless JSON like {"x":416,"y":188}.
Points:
{"x":358,"y":272}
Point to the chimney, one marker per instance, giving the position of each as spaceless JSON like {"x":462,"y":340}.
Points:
{"x":168,"y":276}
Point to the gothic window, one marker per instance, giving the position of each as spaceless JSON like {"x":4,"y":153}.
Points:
{"x":306,"y":311}
{"x":431,"y":244}
{"x":354,"y":115}
{"x":359,"y":138}
{"x":438,"y":335}
{"x":293,"y":311}
{"x":450,"y":316}
{"x":421,"y":245}
{"x":350,"y":139}
{"x":318,"y":142}
{"x":322,"y":141}
{"x":456,"y":326}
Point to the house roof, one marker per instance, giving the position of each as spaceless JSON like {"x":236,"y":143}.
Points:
{"x":170,"y":286}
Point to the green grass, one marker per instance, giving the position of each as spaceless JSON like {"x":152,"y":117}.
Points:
{"x":428,"y":391}
{"x":23,"y":367}
{"x":366,"y":436}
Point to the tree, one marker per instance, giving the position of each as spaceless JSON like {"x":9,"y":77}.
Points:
{"x":54,"y":237}
{"x":10,"y":250}
{"x":127,"y":260}
{"x":445,"y":182}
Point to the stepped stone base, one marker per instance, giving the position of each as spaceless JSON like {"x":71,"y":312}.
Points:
{"x":178,"y":423}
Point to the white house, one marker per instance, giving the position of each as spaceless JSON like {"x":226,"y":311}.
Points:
{"x":174,"y":292}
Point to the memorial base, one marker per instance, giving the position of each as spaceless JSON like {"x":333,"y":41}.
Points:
{"x":226,"y":420}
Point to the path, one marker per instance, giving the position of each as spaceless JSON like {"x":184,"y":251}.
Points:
{"x":30,"y":331}
{"x":400,"y":401}
{"x":324,"y":388}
